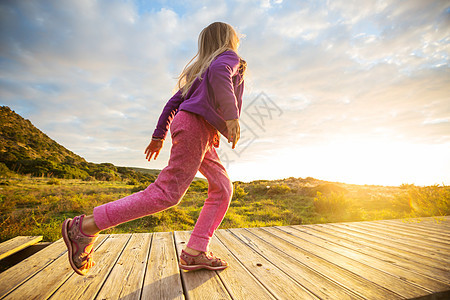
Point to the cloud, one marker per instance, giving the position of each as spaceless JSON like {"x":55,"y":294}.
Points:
{"x":96,"y":75}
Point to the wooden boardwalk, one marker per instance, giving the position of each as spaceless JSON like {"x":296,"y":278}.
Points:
{"x":389,"y":259}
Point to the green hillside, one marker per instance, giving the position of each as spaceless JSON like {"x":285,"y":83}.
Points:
{"x":20,"y":140}
{"x":26,"y":150}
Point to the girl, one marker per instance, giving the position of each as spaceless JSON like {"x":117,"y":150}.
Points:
{"x":208,"y":101}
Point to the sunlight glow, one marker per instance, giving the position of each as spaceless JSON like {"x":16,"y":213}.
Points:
{"x":357,"y":162}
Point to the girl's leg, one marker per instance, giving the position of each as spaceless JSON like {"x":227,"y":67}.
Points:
{"x":220,"y":192}
{"x":191,"y":138}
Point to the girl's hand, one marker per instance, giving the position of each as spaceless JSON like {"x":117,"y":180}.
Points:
{"x":153,"y":148}
{"x":234,"y":131}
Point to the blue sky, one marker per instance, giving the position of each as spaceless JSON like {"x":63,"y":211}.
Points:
{"x":359,"y":89}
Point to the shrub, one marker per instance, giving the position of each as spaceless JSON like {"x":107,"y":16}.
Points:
{"x":426,"y":201}
{"x":238,"y":192}
{"x":258,"y":188}
{"x":199,"y":186}
{"x":279,"y":189}
{"x":5,"y":171}
{"x":54,"y":181}
{"x":132,"y":182}
{"x":331,"y":204}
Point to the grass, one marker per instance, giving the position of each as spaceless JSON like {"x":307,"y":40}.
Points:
{"x":38,"y":206}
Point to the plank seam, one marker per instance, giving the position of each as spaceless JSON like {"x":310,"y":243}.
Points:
{"x":243,"y":266}
{"x":265,"y":258}
{"x":371,"y":256}
{"x":337,"y":266}
{"x":240,"y":263}
{"x":368,"y":266}
{"x":370,"y":248}
{"x":373,"y":235}
{"x":408,"y":235}
{"x":32,"y":275}
{"x":113,"y":264}
{"x":43,"y":267}
{"x":73,"y":272}
{"x":348,"y":291}
{"x":183,"y":282}
{"x":352,"y":231}
{"x":146,"y":265}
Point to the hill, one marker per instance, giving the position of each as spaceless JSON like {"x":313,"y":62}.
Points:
{"x":24,"y":149}
{"x":20,"y":139}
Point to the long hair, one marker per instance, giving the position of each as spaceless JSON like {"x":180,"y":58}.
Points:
{"x":216,"y":38}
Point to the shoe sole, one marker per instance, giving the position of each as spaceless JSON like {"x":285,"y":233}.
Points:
{"x":64,"y":231}
{"x":198,"y":267}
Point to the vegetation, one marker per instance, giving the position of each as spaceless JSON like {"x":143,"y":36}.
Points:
{"x":42,"y":183}
{"x":38,"y":206}
{"x":26,"y":150}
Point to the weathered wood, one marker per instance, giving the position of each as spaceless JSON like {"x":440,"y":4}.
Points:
{"x":438,"y":249}
{"x":409,"y":261}
{"x":405,"y":234}
{"x":394,"y":283}
{"x":47,"y":280}
{"x":162,"y":278}
{"x":429,"y":229}
{"x":201,"y":284}
{"x":398,"y":244}
{"x":16,"y":244}
{"x":271,"y":277}
{"x":86,"y":287}
{"x":316,"y":283}
{"x":346,"y":279}
{"x":384,"y":245}
{"x":237,"y":280}
{"x":17,"y":274}
{"x":387,"y":259}
{"x":416,"y":278}
{"x":125,"y":279}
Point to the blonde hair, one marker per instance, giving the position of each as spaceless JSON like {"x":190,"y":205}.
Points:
{"x":216,"y":38}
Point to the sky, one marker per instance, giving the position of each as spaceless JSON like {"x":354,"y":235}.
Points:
{"x":344,"y":91}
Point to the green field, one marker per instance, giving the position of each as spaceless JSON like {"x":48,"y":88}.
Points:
{"x":38,"y":206}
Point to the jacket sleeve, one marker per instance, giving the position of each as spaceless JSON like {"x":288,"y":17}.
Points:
{"x":166,"y":117}
{"x":221,"y":74}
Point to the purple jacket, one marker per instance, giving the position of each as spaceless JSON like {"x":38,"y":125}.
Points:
{"x":217,"y":97}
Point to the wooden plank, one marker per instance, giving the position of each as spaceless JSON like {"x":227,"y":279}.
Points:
{"x":49,"y":278}
{"x":125,"y":280}
{"x":348,"y":280}
{"x":318,"y":284}
{"x":162,"y":278}
{"x":398,"y":244}
{"x":434,"y":248}
{"x":385,"y":245}
{"x":407,"y":260}
{"x":435,"y":230}
{"x":17,"y":274}
{"x":233,"y":276}
{"x":86,"y":287}
{"x":201,"y":284}
{"x":270,"y":276}
{"x":16,"y":244}
{"x":335,"y":244}
{"x":384,"y":279}
{"x":405,"y":233}
{"x":438,"y":223}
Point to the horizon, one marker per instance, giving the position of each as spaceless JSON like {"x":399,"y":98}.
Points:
{"x":355,"y":94}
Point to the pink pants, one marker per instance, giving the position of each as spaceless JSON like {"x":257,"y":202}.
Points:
{"x":192,"y":151}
